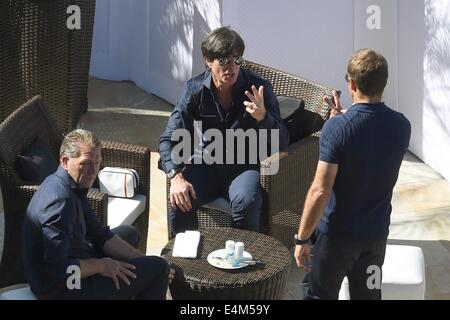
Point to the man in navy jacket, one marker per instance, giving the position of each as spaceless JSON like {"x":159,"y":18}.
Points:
{"x":224,"y":99}
{"x":62,"y":238}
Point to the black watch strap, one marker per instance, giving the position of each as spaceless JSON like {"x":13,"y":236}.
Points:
{"x":298,"y":241}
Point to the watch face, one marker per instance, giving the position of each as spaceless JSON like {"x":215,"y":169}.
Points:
{"x":172,"y":173}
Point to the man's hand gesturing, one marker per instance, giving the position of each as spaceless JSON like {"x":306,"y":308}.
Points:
{"x":256,"y":106}
{"x":336,"y":107}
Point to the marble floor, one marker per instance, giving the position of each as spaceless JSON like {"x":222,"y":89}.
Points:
{"x":421,"y":200}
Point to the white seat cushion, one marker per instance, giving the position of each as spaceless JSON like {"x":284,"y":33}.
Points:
{"x":403,"y":275}
{"x":220,"y":204}
{"x":24,"y":293}
{"x":124,"y":211}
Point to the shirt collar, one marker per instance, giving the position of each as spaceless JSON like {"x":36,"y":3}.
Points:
{"x":64,"y":175}
{"x":368,"y":107}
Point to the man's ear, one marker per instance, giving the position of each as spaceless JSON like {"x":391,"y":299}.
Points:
{"x":208,"y":64}
{"x":63,"y":161}
{"x":353,"y":85}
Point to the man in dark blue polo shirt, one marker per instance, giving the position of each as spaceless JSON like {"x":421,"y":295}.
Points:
{"x":67,"y":253}
{"x":223,"y":100}
{"x":349,"y":202}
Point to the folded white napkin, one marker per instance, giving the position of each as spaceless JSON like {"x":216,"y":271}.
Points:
{"x":186,"y":244}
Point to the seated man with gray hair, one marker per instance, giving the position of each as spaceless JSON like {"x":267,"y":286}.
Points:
{"x":63,"y":240}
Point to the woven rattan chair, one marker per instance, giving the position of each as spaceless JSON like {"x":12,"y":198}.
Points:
{"x":41,"y":56}
{"x":284,"y":193}
{"x":17,"y":132}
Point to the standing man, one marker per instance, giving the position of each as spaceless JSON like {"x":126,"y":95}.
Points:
{"x":61,"y":235}
{"x":349,"y":202}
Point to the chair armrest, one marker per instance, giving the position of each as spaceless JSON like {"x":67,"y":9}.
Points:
{"x":26,"y":192}
{"x":285,"y":192}
{"x":99,"y":204}
{"x":97,"y":200}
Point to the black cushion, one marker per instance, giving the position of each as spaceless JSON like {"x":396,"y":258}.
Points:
{"x":299,"y":122}
{"x":288,"y":105}
{"x":291,"y":110}
{"x":36,"y":162}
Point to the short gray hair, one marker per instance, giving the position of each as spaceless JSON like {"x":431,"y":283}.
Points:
{"x":71,"y":144}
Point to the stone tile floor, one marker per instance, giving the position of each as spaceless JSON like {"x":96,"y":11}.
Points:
{"x":121,"y":111}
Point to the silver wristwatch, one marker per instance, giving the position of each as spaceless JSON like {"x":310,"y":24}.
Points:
{"x":172,"y":173}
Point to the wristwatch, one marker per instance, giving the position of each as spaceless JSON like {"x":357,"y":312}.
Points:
{"x":172,"y":173}
{"x":298,"y":241}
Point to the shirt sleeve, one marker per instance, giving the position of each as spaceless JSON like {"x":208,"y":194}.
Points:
{"x":273,"y":117}
{"x":331,"y":142}
{"x":96,"y":232}
{"x":56,"y":230}
{"x":181,"y":118}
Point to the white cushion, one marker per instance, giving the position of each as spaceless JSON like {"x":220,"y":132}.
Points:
{"x":403,"y":275}
{"x":125,"y":210}
{"x":220,"y":204}
{"x":24,"y":293}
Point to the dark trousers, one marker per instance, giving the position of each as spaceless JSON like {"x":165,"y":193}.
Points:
{"x":238,"y":184}
{"x":333,"y":258}
{"x":150,"y":283}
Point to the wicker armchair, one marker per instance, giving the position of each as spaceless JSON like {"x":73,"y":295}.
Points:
{"x":284,"y":193}
{"x":41,"y":56}
{"x":32,"y":120}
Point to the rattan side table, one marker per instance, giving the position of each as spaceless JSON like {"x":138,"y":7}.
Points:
{"x":197,"y":279}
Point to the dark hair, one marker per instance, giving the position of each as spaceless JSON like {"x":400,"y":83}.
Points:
{"x":221,"y":43}
{"x":369,"y":69}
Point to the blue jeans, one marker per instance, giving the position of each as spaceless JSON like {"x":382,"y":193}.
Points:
{"x":150,"y":283}
{"x":239,"y":184}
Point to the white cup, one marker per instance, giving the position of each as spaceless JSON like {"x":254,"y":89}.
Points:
{"x":238,"y":251}
{"x":229,"y":247}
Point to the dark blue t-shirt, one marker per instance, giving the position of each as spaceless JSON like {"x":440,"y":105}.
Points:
{"x":368,"y":143}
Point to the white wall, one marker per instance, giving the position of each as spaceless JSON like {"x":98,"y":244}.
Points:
{"x":381,"y":35}
{"x":309,"y":38}
{"x":157,"y":45}
{"x":424,"y":78}
{"x":153,"y":43}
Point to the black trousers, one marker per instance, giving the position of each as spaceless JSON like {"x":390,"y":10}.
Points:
{"x":150,"y":283}
{"x":333,"y":258}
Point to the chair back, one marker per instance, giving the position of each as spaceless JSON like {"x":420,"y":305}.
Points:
{"x":20,"y":129}
{"x":40,"y":55}
{"x":291,"y":85}
{"x":17,"y":132}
